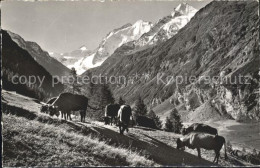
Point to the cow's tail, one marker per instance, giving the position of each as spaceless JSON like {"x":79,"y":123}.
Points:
{"x":225,"y":148}
{"x":93,"y":108}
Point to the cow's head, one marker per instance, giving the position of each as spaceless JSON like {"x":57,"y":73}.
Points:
{"x":180,"y":144}
{"x":106,"y":120}
{"x":183,"y":131}
{"x":53,"y":110}
{"x":44,"y":108}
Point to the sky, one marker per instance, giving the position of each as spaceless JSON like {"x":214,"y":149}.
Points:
{"x":63,"y":26}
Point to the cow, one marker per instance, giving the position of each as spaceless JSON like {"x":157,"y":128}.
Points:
{"x":203,"y":140}
{"x":124,"y":114}
{"x":145,"y":122}
{"x":45,"y":107}
{"x":67,"y":102}
{"x":111,"y":113}
{"x":198,"y":127}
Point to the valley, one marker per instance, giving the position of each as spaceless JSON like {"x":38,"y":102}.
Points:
{"x":198,"y":63}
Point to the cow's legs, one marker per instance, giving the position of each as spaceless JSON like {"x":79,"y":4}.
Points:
{"x":81,"y":116}
{"x":120,"y":128}
{"x":198,"y":149}
{"x":68,"y":115}
{"x":124,"y":128}
{"x":111,"y":120}
{"x":215,"y":157}
{"x":65,"y":115}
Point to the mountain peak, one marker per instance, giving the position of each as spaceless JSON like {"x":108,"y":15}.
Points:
{"x":122,"y":27}
{"x":184,"y":8}
{"x":141,"y":22}
{"x":83,"y":48}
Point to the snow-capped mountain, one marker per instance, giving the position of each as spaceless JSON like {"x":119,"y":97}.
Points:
{"x":168,"y":26}
{"x":111,"y":42}
{"x":139,"y":35}
{"x":70,"y":58}
{"x":120,"y":36}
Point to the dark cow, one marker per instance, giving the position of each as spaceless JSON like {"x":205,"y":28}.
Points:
{"x":45,"y":107}
{"x":111,"y":113}
{"x":124,"y":114}
{"x":198,"y":127}
{"x":67,"y":102}
{"x":145,"y":122}
{"x":203,"y":140}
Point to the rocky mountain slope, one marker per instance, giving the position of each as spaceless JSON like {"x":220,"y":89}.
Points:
{"x":18,"y":66}
{"x":53,"y":66}
{"x":221,"y":41}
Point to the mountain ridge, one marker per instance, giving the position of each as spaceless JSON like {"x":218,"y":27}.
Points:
{"x":135,"y":35}
{"x":17,"y":63}
{"x":219,"y":46}
{"x":42,"y":57}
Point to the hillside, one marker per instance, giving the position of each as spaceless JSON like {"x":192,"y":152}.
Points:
{"x":40,"y":140}
{"x":54,"y":67}
{"x":16,"y":63}
{"x":221,"y":41}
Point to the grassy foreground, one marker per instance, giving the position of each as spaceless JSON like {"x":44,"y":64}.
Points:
{"x":32,"y":143}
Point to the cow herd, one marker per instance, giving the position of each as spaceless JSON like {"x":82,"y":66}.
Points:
{"x":196,"y":136}
{"x":65,"y":103}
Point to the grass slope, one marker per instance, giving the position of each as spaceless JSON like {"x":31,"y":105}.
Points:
{"x":32,"y":143}
{"x":31,"y":138}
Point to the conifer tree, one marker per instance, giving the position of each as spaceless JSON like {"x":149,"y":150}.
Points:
{"x":73,"y":85}
{"x":155,"y":118}
{"x":168,"y":125}
{"x":106,"y":96}
{"x":176,"y":120}
{"x":140,"y":108}
{"x":121,"y":101}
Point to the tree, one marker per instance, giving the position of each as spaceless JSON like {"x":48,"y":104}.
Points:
{"x":106,"y":96}
{"x":168,"y":125}
{"x":73,"y":85}
{"x":155,"y":118}
{"x":121,"y":101}
{"x":176,"y":120}
{"x":140,"y":108}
